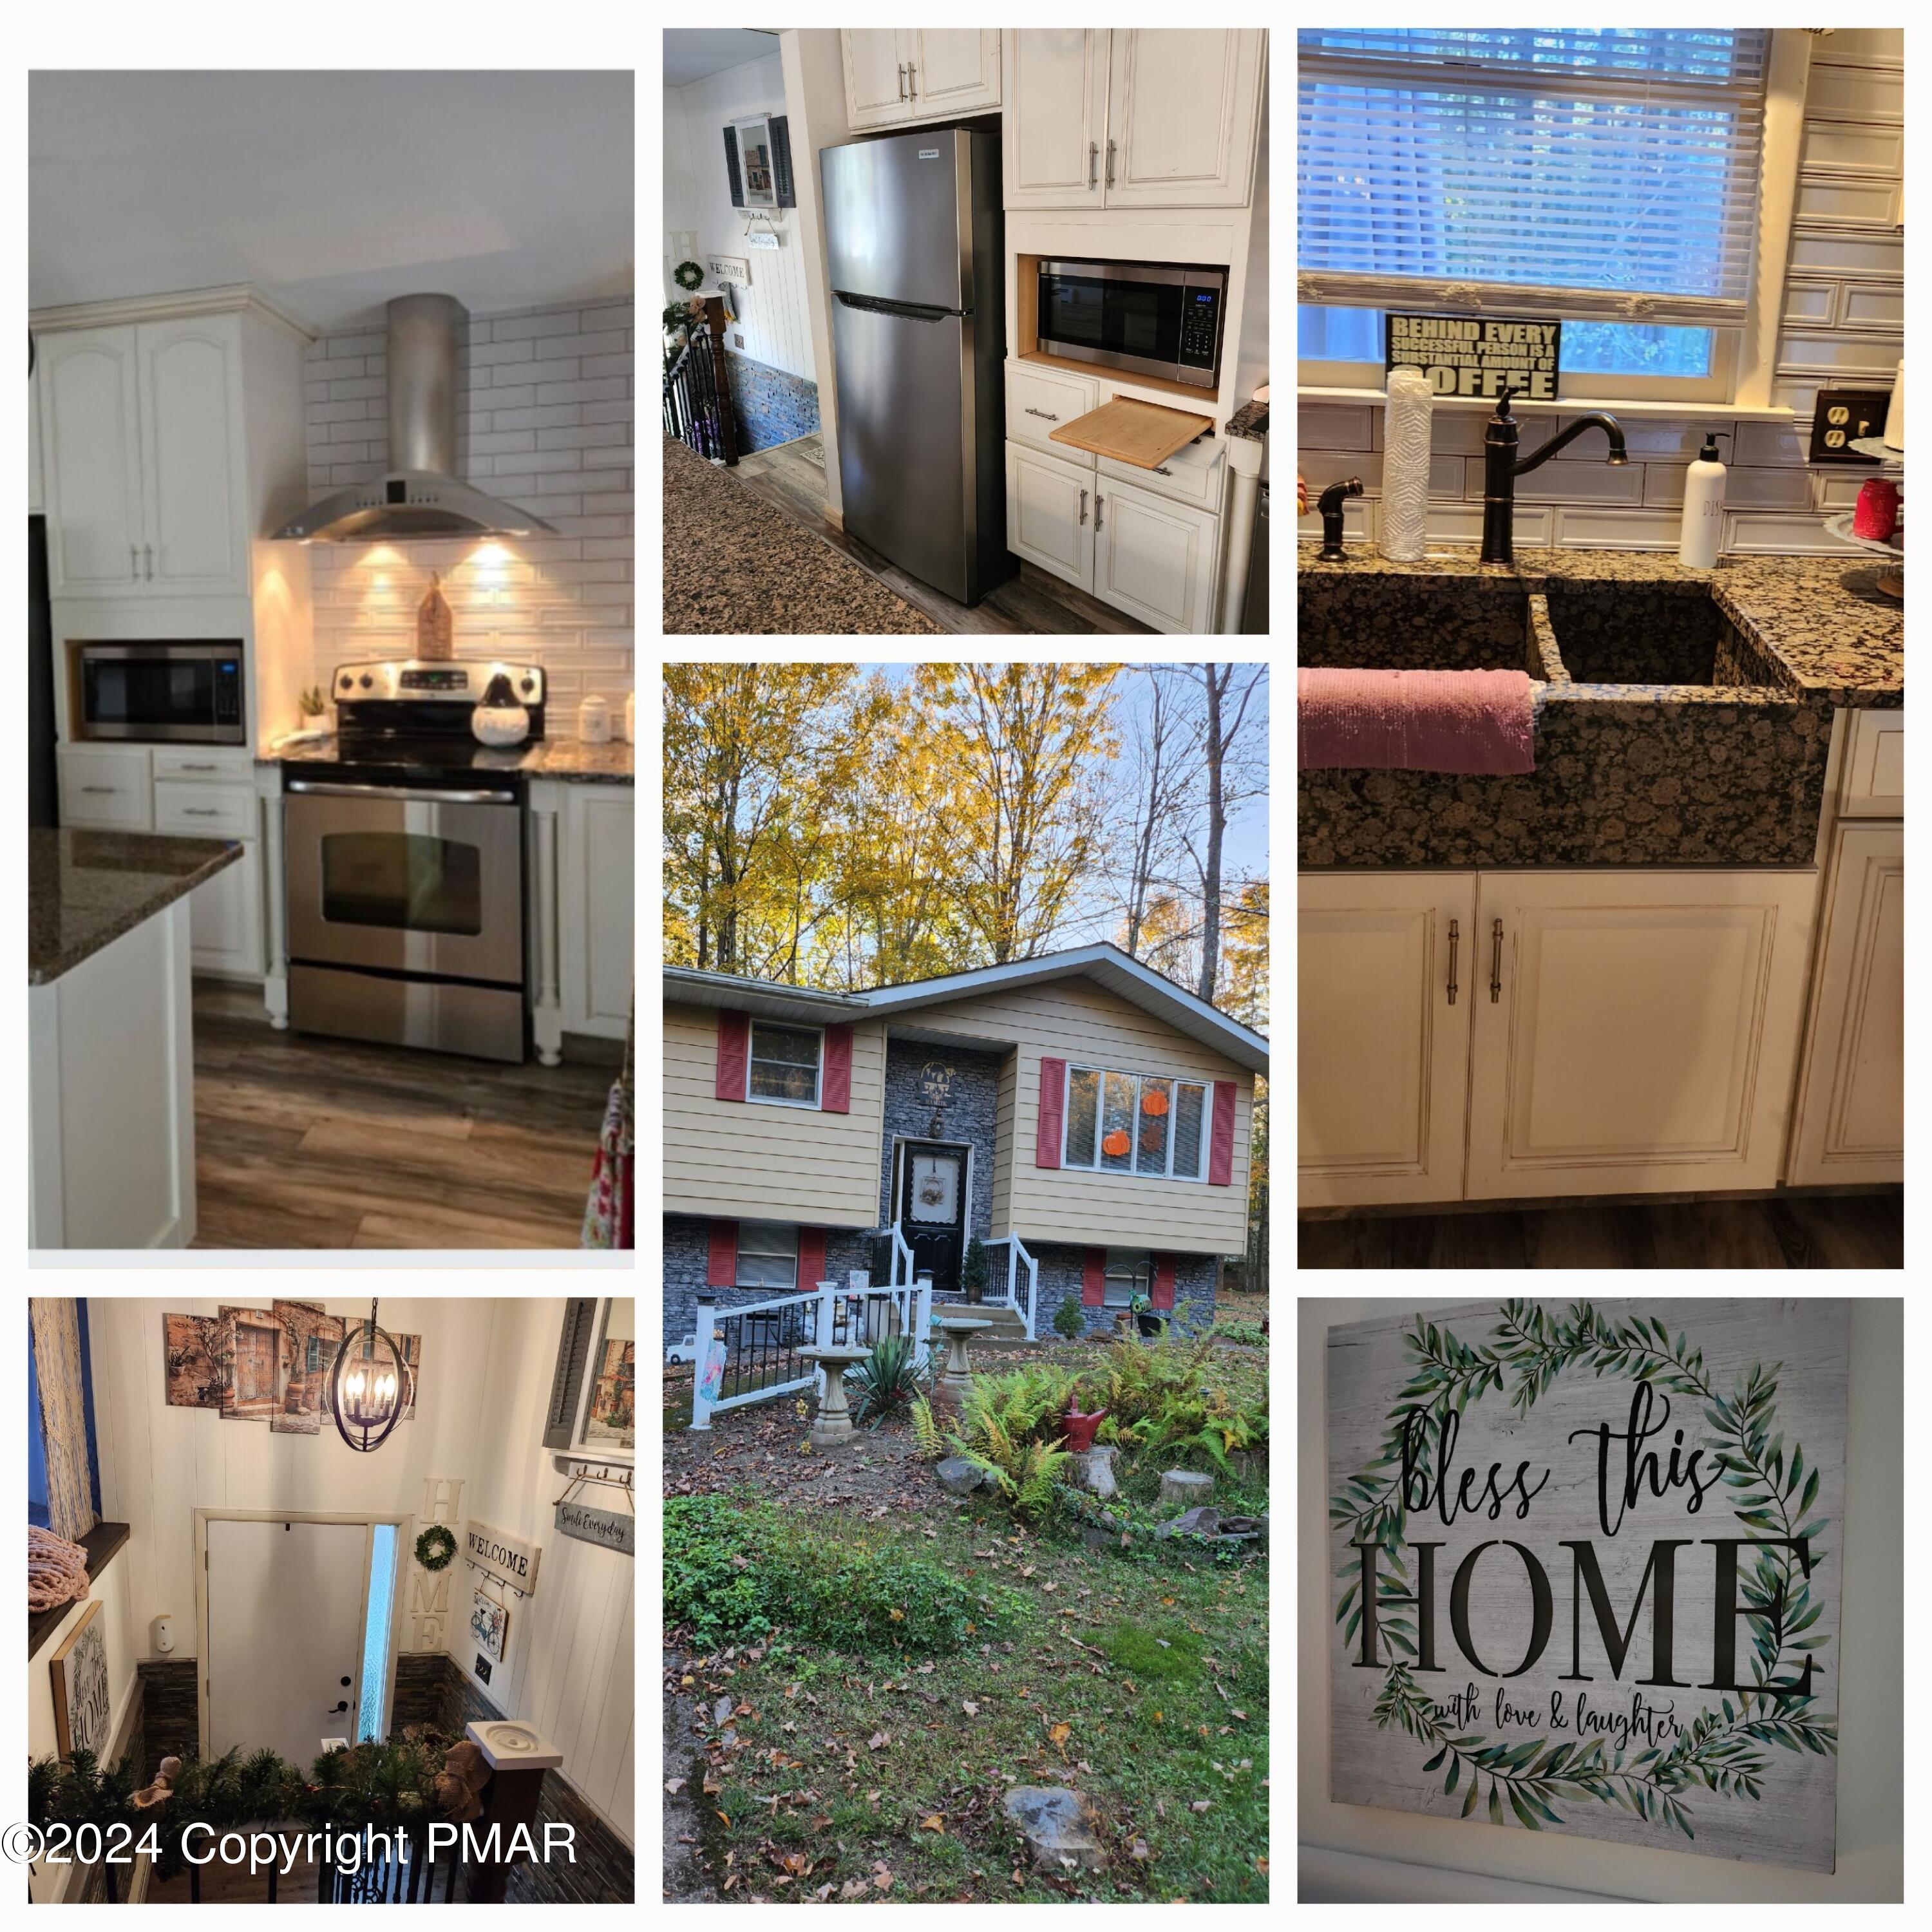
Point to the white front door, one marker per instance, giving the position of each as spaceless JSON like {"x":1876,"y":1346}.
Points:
{"x":285,"y":1605}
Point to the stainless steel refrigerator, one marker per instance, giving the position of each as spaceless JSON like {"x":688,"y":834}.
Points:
{"x":913,"y":238}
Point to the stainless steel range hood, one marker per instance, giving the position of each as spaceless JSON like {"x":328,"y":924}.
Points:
{"x":420,"y":498}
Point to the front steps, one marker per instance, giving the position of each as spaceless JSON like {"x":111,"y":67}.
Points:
{"x":1008,"y":1325}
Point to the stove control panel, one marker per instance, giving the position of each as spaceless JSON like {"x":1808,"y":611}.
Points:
{"x":410,"y":680}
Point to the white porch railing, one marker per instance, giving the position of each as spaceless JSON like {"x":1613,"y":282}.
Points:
{"x":1022,"y":1293}
{"x":754,"y":1353}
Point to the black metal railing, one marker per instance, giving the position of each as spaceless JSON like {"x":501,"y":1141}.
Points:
{"x":394,"y":1870}
{"x":762,"y":1348}
{"x":697,"y":399}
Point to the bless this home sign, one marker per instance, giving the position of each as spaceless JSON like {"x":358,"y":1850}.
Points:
{"x":1584,"y":1571}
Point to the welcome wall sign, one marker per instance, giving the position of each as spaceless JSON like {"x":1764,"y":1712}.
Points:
{"x":1585,"y":1570}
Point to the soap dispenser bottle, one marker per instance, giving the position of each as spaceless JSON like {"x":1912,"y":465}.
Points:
{"x":1703,"y":532}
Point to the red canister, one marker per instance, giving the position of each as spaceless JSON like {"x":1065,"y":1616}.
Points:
{"x":1877,"y":516}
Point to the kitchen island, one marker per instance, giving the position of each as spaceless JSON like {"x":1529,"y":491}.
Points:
{"x":110,"y":1049}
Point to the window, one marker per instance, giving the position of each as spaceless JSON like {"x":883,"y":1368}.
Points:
{"x":784,"y":1064}
{"x":1608,"y":176}
{"x":767,"y":1254}
{"x":376,"y":1631}
{"x":1130,"y":1272}
{"x":1138,"y":1124}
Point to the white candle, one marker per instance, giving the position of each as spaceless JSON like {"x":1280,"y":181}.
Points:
{"x":1894,"y":414}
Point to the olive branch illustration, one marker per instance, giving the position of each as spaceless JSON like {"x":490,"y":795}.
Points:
{"x":1722,"y":1753}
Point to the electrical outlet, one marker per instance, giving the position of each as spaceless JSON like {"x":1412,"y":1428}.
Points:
{"x":737,"y":341}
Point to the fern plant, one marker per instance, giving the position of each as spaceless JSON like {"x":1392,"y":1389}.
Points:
{"x":1008,"y":1430}
{"x":925,"y":1431}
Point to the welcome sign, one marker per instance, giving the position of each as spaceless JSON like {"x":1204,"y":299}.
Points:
{"x":1585,"y":1572}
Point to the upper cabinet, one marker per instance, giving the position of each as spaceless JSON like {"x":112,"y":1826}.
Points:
{"x":898,"y":76}
{"x":152,"y":485}
{"x":1132,"y":117}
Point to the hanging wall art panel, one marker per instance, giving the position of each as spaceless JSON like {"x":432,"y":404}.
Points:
{"x":1585,"y":1572}
{"x":191,"y":1351}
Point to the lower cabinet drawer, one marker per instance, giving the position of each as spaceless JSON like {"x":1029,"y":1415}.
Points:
{"x":204,"y":811}
{"x":1155,"y":558}
{"x":205,"y":764}
{"x":1039,"y":401}
{"x":1192,"y":475}
{"x":105,"y":787}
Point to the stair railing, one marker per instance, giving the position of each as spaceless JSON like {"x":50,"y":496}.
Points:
{"x":698,"y":393}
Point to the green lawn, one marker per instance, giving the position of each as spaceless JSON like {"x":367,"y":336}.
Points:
{"x":1140,"y":1680}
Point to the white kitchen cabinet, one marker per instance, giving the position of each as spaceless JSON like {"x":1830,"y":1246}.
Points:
{"x":1386,"y":983}
{"x":1050,"y":513}
{"x":1851,"y":1107}
{"x":899,"y":76}
{"x":1874,"y":780}
{"x":597,"y":909}
{"x":875,"y":90}
{"x":1053,"y":117}
{"x":1636,"y":1031}
{"x":1183,"y":107}
{"x":225,"y":919}
{"x":1039,"y":400}
{"x":193,"y":465}
{"x":91,"y":447}
{"x":105,"y":787}
{"x":1154,"y":558}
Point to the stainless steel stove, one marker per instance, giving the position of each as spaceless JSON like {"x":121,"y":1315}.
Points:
{"x":405,"y":864}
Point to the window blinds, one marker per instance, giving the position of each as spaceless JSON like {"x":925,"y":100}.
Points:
{"x":1603,"y":172}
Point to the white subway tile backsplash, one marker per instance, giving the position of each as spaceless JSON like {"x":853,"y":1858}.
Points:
{"x":1767,"y":490}
{"x":595,"y":366}
{"x":1871,"y":306}
{"x":1599,"y":482}
{"x":1770,"y":443}
{"x":1462,"y":523}
{"x":1759,"y":534}
{"x":1603,"y":530}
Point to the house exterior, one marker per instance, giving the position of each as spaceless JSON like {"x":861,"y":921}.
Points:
{"x":1084,"y":1117}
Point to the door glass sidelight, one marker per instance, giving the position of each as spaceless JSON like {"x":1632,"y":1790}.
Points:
{"x":407,"y":881}
{"x":376,"y":1631}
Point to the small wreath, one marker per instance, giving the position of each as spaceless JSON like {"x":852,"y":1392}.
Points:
{"x":435,"y":1547}
{"x":687,"y":275}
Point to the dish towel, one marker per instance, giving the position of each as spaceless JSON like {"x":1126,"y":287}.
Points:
{"x":1464,"y":721}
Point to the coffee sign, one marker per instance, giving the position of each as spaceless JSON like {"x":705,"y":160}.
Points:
{"x":1584,"y":1571}
{"x":1465,"y":356}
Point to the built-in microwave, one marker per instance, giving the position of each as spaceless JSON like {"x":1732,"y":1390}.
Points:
{"x":188,"y":692}
{"x":1147,"y":318}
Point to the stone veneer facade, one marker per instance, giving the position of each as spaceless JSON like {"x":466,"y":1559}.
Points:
{"x":772,"y":405}
{"x":969,"y":1113}
{"x":687,"y":1255}
{"x":1063,"y":1267}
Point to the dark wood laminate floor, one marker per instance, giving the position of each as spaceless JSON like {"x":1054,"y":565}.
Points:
{"x":302,"y":1142}
{"x":1796,"y":1230}
{"x":791,"y":477}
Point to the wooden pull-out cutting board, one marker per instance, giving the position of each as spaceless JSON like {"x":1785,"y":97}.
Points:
{"x":1141,"y":433}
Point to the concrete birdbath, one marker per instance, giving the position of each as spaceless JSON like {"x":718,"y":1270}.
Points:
{"x":832,"y":1427}
{"x":959,"y":1376}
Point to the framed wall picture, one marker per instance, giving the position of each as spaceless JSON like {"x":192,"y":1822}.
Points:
{"x":1585,"y":1572}
{"x":753,"y":135}
{"x":305,"y":1362}
{"x":490,"y":1625}
{"x":189,"y":1352}
{"x":250,"y":1342}
{"x":607,"y":1422}
{"x":82,"y":1709}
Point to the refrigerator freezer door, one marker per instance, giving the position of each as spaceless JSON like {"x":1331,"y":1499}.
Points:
{"x":899,"y":217}
{"x":902,"y":455}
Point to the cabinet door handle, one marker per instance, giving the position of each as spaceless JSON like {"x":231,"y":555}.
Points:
{"x":1495,"y":962}
{"x":1092,"y":162}
{"x":901,"y":80}
{"x":912,"y":82}
{"x":133,"y":559}
{"x":101,"y":791}
{"x":201,"y":768}
{"x":200,"y":812}
{"x":1045,"y":415}
{"x":149,"y":549}
{"x":1083,"y":506}
{"x":1098,"y":500}
{"x":1110,"y":161}
{"x":1161,"y":469}
{"x":1453,"y":936}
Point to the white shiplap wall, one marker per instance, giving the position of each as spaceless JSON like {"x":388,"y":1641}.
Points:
{"x":1843,"y":323}
{"x":486,"y":1375}
{"x":773,"y":318}
{"x":547,"y":423}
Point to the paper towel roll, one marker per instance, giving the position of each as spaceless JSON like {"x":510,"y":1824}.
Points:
{"x":1407,"y":424}
{"x":1894,"y":414}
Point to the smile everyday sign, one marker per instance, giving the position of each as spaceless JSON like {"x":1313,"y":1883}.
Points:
{"x":1584,"y":1570}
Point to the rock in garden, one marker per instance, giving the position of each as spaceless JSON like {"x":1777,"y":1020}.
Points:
{"x":958,"y":1477}
{"x":1205,"y":1521}
{"x":1094,"y":1470}
{"x":1056,"y":1825}
{"x":1186,"y":1486}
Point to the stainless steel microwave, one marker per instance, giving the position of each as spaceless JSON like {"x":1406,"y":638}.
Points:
{"x":1146,"y":318}
{"x":175,"y":693}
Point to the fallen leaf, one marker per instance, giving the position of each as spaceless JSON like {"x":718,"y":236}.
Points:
{"x":1201,"y":1804}
{"x":936,"y":1823}
{"x":674,"y":1785}
{"x":879,"y":1741}
{"x":1139,"y":1850}
{"x":1240,"y":1717}
{"x":883,"y":1880}
{"x":967,"y":1704}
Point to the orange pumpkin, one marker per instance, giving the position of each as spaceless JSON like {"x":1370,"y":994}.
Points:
{"x":1154,"y":1102}
{"x":1115,"y":1143}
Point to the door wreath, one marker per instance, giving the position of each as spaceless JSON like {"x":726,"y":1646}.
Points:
{"x":435,"y":1547}
{"x":1774,"y":1496}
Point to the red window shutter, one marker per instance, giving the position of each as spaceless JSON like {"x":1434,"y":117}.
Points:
{"x":1094,"y":1279}
{"x":811,"y":1257}
{"x":1161,"y":1295}
{"x":1052,"y":1112}
{"x":1221,"y":1146}
{"x":721,"y":1270}
{"x":734,"y":1054}
{"x":835,"y":1084}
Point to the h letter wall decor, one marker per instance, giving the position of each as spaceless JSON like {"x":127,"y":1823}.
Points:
{"x":1585,"y":1572}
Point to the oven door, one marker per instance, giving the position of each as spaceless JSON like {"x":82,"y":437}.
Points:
{"x":1126,"y":316}
{"x":429,"y":882}
{"x":181,"y":693}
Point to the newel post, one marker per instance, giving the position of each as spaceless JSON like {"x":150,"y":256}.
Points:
{"x":517,"y":1758}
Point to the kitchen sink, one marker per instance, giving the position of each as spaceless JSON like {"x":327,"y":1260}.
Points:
{"x":1622,"y":633}
{"x":1350,"y":623}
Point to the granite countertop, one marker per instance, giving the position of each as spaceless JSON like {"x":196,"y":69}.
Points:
{"x":735,"y":566}
{"x":86,"y":888}
{"x":570,"y":759}
{"x":1838,"y":645}
{"x":1250,"y":421}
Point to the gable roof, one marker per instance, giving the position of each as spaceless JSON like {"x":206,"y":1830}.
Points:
{"x":1107,"y":965}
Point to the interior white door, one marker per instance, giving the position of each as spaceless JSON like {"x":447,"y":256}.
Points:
{"x":1643,"y":1032}
{"x":285,"y":1608}
{"x":1386,"y":979}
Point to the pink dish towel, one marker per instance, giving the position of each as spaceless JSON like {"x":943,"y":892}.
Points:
{"x":1415,"y":721}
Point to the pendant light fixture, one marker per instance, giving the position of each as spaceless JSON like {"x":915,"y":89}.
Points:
{"x":367,"y":1391}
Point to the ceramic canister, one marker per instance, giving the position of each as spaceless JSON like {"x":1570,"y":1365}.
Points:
{"x":593,"y":720}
